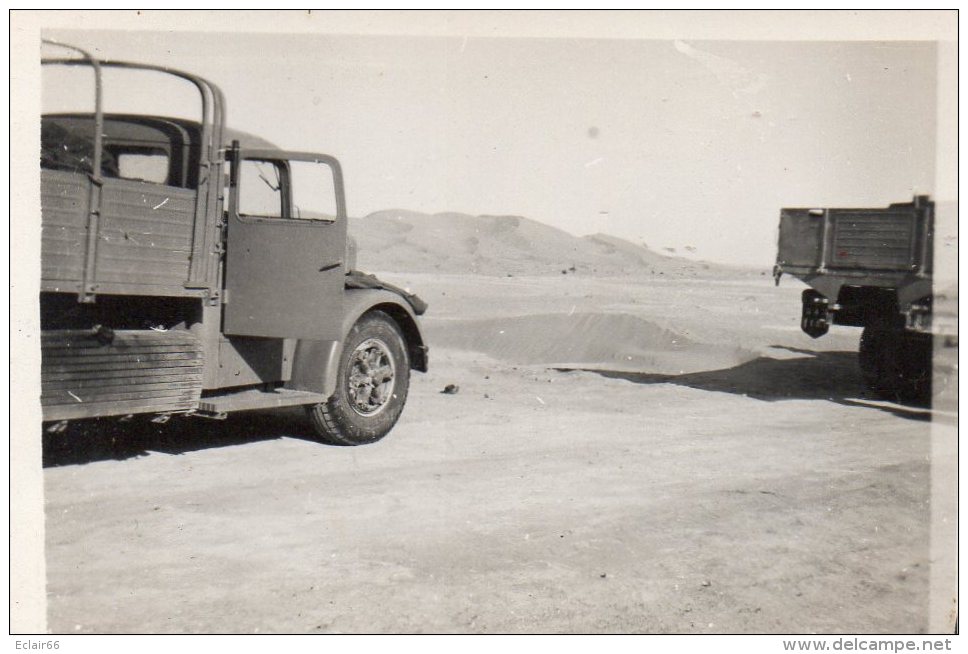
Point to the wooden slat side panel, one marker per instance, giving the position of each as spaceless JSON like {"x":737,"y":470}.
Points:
{"x":877,"y":240}
{"x":146,"y":233}
{"x":63,"y":204}
{"x":75,"y":338}
{"x":153,"y":392}
{"x":90,"y":383}
{"x":131,"y":371}
{"x":89,"y":369}
{"x":96,"y":377}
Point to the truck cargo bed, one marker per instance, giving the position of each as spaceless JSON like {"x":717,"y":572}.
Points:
{"x":894,"y":241}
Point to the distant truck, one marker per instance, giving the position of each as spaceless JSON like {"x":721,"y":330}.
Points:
{"x":869,"y":268}
{"x":189,"y":269}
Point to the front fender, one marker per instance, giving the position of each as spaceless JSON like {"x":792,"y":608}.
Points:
{"x":315,"y":365}
{"x":358,"y":301}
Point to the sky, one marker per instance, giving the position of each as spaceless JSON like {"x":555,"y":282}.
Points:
{"x":685,"y":144}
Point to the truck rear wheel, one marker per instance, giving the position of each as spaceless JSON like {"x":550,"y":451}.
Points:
{"x":371,"y":387}
{"x":896,"y":364}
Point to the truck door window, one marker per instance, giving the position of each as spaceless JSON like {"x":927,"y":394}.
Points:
{"x":313,"y":191}
{"x":261,"y":189}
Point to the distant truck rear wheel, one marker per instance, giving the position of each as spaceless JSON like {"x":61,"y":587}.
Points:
{"x":372,"y":385}
{"x":896,"y":364}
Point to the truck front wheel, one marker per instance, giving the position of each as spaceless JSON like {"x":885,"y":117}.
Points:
{"x":371,"y":387}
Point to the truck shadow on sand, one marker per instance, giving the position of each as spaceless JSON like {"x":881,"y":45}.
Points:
{"x":112,"y":439}
{"x":816,"y":375}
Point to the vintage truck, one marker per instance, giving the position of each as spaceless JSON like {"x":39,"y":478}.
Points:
{"x":870,"y":268}
{"x":190,"y":269}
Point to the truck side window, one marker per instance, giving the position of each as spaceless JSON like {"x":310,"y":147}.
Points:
{"x":313,"y":191}
{"x":145,"y":165}
{"x":260,"y":189}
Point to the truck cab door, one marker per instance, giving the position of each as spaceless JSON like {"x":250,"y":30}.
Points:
{"x":285,"y":246}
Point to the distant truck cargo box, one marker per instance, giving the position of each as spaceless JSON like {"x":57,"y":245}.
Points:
{"x":896,"y":239}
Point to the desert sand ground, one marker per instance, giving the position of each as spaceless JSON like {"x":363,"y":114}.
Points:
{"x":651,"y":454}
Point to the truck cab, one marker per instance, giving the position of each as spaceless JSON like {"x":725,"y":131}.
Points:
{"x":190,"y":269}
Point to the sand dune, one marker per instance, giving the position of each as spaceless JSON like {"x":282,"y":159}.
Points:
{"x":406,"y":241}
{"x":596,"y":340}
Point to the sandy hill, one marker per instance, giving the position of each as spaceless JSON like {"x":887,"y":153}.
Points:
{"x":407,"y":241}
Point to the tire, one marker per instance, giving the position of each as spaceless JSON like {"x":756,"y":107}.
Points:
{"x":371,"y":386}
{"x":896,"y":364}
{"x":877,"y":359}
{"x":914,"y":364}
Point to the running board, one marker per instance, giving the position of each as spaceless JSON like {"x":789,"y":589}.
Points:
{"x":217,"y":406}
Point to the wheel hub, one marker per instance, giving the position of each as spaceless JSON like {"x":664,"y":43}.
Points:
{"x":370,"y":377}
